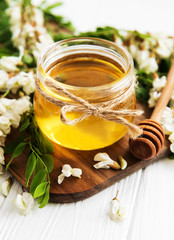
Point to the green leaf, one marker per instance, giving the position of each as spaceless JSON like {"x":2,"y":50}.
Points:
{"x":142,"y":93}
{"x":39,"y":166}
{"x":31,"y":163}
{"x":18,"y":150}
{"x":45,"y":198}
{"x":24,"y":125}
{"x":60,"y":36}
{"x":29,"y":60}
{"x":50,"y":7}
{"x":40,"y":190}
{"x":59,"y":20}
{"x":9,"y":148}
{"x":37,"y":179}
{"x":171,"y":156}
{"x":142,"y":35}
{"x":48,"y":146}
{"x":49,"y":162}
{"x":164,"y":65}
{"x":44,"y":145}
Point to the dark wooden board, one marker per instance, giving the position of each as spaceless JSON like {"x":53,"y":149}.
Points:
{"x":93,"y":180}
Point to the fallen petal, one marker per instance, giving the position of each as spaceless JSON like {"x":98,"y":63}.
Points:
{"x":61,"y":178}
{"x":76,"y":172}
{"x":122,"y":162}
{"x":5,"y":186}
{"x":101,"y":157}
{"x":103,"y":164}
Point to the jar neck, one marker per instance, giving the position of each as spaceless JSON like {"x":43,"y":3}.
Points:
{"x":86,"y":47}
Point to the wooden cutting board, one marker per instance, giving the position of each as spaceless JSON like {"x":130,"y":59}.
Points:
{"x":93,"y":180}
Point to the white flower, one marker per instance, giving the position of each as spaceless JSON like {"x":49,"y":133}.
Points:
{"x":133,"y":49}
{"x":2,"y":156}
{"x":159,"y":83}
{"x":16,"y":109}
{"x":124,"y":33}
{"x":171,"y":137}
{"x":155,"y":92}
{"x":5,"y":186}
{"x":24,"y":203}
{"x":25,"y":80}
{"x":145,"y":62}
{"x":10,"y":63}
{"x":39,"y":18}
{"x":22,"y":105}
{"x":2,"y":140}
{"x":104,"y":161}
{"x":28,"y":83}
{"x":167,"y":121}
{"x":2,"y":109}
{"x":67,"y":171}
{"x":117,"y":212}
{"x":142,"y":56}
{"x":149,"y":66}
{"x":172,"y":147}
{"x":15,"y":13}
{"x":11,"y":111}
{"x":154,"y":95}
{"x":118,"y":41}
{"x":4,"y":124}
{"x":1,"y":169}
{"x":165,"y":45}
{"x":23,"y":32}
{"x":3,"y":79}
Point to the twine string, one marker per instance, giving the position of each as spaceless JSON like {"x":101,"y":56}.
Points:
{"x":106,"y":110}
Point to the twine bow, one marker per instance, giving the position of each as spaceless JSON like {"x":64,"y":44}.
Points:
{"x":105,"y":111}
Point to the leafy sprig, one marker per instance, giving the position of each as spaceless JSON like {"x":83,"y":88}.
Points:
{"x":6,"y":45}
{"x":40,"y":162}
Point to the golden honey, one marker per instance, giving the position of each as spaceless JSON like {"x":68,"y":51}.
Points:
{"x":94,"y":70}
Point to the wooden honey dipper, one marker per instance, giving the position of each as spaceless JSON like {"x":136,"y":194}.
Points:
{"x":151,"y":141}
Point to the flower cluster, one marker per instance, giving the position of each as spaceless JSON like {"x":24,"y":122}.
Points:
{"x":104,"y":161}
{"x":23,"y":80}
{"x":11,"y":63}
{"x":24,"y":203}
{"x":27,"y":27}
{"x":147,"y":49}
{"x":167,"y":121}
{"x":155,"y":92}
{"x":67,"y":171}
{"x":10,"y":115}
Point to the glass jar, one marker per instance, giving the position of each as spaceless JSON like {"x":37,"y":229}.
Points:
{"x":93,"y":69}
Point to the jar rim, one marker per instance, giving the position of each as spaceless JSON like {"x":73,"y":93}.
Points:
{"x":111,"y":46}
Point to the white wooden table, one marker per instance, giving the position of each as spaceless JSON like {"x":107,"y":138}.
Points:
{"x":148,"y":195}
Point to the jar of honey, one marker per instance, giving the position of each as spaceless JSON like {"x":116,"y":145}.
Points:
{"x":93,"y":69}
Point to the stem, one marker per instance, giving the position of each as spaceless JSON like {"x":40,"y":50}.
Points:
{"x":6,"y":93}
{"x":31,"y":147}
{"x":116,"y":194}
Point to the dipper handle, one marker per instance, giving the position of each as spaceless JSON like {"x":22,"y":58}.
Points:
{"x":165,"y":96}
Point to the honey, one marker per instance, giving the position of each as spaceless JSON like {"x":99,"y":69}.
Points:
{"x":92,"y":74}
